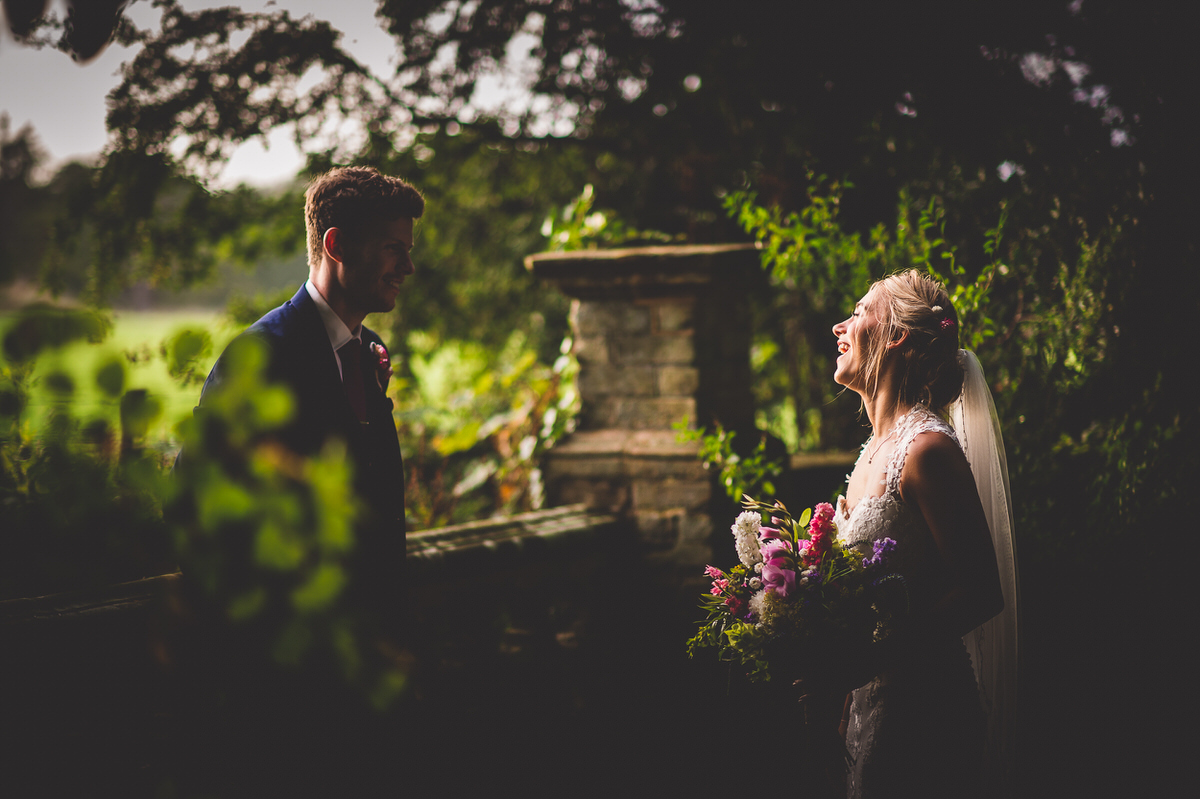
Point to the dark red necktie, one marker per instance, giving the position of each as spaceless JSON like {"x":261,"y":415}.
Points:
{"x":352,"y":380}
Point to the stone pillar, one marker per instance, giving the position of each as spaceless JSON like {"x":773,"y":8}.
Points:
{"x":661,"y":333}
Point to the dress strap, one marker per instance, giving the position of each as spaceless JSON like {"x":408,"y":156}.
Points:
{"x":918,"y":420}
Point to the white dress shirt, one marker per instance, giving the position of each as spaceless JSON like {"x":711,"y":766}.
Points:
{"x":335,"y":328}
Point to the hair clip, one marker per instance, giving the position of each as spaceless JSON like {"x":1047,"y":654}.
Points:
{"x":946,"y":323}
{"x":936,"y":309}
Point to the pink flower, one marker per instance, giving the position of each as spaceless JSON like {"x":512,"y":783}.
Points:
{"x":385,"y":361}
{"x":818,"y":541}
{"x":718,"y":587}
{"x":775,"y":578}
{"x":767,"y":533}
{"x":820,"y":530}
{"x":383,"y":365}
{"x":713,"y":572}
{"x":776,"y":574}
{"x":777,"y":551}
{"x":822,"y":518}
{"x":817,"y":546}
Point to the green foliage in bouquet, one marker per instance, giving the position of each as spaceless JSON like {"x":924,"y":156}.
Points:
{"x":735,"y":640}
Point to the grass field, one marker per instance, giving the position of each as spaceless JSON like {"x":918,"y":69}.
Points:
{"x":137,"y":338}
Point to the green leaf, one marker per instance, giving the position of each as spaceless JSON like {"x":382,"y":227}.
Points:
{"x":222,"y":500}
{"x":110,"y":377}
{"x":139,"y":409}
{"x":460,"y":440}
{"x":321,"y":588}
{"x":248,"y":605}
{"x":390,"y":686}
{"x":278,"y":548}
{"x":60,"y":383}
{"x":184,"y":348}
{"x":40,"y":327}
{"x":293,"y":642}
{"x":273,"y":406}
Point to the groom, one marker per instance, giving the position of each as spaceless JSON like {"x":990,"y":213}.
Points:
{"x":360,"y":236}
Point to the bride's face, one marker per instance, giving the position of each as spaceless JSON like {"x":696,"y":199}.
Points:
{"x":852,"y":343}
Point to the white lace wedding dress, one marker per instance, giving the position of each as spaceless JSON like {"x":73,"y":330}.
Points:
{"x":917,"y":729}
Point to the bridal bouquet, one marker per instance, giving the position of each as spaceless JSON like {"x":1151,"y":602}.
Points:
{"x":800,"y":602}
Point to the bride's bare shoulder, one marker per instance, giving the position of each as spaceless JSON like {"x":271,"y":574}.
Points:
{"x":935,"y":460}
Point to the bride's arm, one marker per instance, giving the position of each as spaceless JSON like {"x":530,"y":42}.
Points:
{"x":938,"y":482}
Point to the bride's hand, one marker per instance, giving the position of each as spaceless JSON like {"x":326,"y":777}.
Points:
{"x":822,"y":704}
{"x":820,"y":690}
{"x":854,"y":669}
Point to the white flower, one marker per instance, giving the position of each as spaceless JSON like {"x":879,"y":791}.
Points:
{"x":758,"y":568}
{"x":755,"y":583}
{"x":757,"y":606}
{"x":745,"y":537}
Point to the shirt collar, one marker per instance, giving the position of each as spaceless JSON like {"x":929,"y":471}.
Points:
{"x":335,"y":328}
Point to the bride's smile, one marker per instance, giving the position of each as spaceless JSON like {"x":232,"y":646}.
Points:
{"x":852,"y":343}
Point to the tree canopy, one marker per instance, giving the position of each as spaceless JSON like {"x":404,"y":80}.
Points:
{"x":1072,"y":108}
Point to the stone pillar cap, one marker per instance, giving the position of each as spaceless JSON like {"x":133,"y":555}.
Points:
{"x":641,"y":271}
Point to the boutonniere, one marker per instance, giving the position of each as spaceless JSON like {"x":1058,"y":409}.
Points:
{"x":383,"y":365}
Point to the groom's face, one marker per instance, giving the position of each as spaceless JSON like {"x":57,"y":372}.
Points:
{"x":376,"y":261}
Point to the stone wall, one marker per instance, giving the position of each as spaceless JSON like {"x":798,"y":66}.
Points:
{"x":661,"y":334}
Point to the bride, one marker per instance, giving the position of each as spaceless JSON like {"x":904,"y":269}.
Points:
{"x":933,"y":477}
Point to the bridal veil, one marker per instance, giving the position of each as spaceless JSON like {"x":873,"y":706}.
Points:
{"x":993,"y":645}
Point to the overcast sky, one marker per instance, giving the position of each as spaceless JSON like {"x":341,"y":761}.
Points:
{"x":64,"y":102}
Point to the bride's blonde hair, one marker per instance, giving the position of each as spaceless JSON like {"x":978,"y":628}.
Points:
{"x":915,"y":303}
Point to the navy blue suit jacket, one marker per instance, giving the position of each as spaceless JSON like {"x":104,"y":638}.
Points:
{"x":300,"y":357}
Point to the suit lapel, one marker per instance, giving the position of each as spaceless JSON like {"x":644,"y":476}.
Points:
{"x":322,"y":365}
{"x":323,"y":368}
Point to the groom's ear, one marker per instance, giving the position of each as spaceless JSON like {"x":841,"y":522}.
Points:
{"x":333,"y":243}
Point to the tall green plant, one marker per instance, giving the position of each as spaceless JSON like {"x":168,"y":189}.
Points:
{"x":474,"y":426}
{"x":817,"y":270}
{"x":739,"y":476}
{"x":578,"y":227}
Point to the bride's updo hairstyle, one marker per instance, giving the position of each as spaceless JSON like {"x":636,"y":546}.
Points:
{"x":914,"y":302}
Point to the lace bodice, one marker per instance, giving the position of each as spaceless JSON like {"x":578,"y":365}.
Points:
{"x":888,"y":515}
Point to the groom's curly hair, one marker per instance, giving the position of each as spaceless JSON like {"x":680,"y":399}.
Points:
{"x":352,"y":197}
{"x":915,"y":303}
